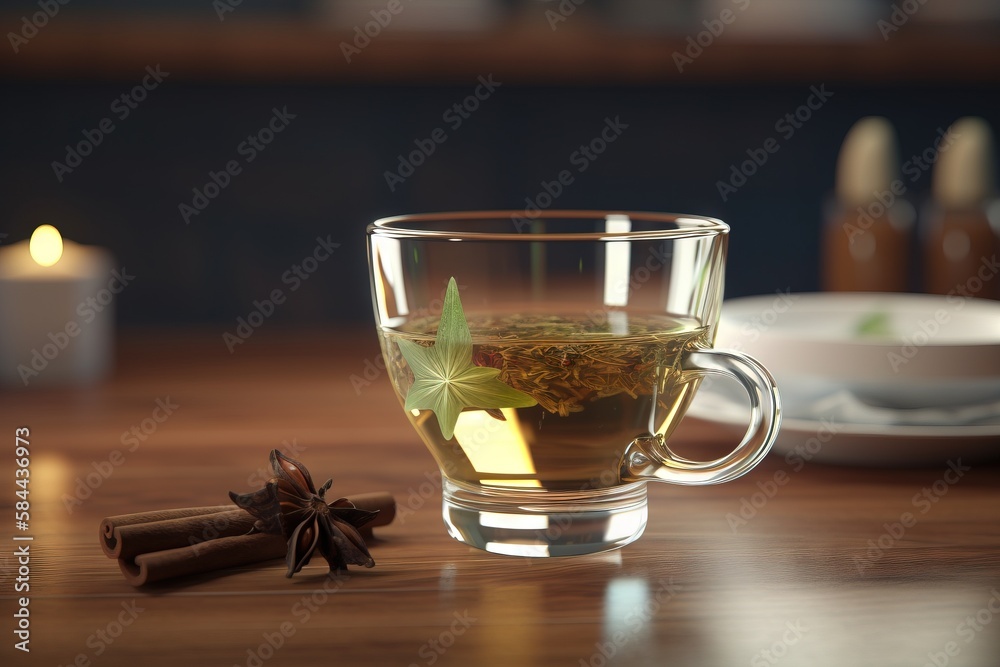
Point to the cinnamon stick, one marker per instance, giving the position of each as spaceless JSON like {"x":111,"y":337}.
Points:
{"x":110,"y":541}
{"x":160,"y":515}
{"x":157,"y":545}
{"x":380,"y":501}
{"x":129,"y":540}
{"x":217,"y":554}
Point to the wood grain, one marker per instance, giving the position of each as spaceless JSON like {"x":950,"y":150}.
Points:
{"x":800,"y":577}
{"x":524,"y":51}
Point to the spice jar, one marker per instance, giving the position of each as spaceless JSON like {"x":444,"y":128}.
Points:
{"x":866,"y":236}
{"x":959,"y":243}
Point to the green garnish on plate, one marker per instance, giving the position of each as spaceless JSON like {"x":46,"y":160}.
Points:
{"x":875,"y":325}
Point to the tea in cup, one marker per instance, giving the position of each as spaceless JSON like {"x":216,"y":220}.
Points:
{"x":545,"y":363}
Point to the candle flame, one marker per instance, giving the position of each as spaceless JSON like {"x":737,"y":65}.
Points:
{"x":46,"y":245}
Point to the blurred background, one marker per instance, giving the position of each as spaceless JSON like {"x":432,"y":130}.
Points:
{"x":209,"y":143}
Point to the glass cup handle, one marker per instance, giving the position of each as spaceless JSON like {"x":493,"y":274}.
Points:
{"x":650,"y":459}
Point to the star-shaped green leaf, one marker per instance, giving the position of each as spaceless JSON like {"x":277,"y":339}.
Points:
{"x":446,"y":381}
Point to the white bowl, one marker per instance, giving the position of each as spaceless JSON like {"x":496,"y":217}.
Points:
{"x":932,"y":351}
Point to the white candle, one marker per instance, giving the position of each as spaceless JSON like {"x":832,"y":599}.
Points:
{"x":56,"y":311}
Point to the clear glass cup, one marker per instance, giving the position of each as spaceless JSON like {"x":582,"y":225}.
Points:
{"x":545,"y":362}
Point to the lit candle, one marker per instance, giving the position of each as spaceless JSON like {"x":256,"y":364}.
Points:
{"x":56,"y":311}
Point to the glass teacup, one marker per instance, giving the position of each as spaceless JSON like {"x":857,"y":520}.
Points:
{"x":545,"y":362}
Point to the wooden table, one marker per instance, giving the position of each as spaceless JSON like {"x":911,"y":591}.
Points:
{"x":818,"y":574}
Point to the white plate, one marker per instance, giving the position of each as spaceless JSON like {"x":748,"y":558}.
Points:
{"x":936,"y":351}
{"x":867,"y":445}
{"x":837,"y":442}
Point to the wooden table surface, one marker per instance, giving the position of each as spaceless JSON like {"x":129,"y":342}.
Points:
{"x":818,"y":574}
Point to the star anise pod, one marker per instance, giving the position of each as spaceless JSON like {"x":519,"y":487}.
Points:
{"x":290,"y":505}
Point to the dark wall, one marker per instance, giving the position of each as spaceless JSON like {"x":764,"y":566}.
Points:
{"x":323,"y":175}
